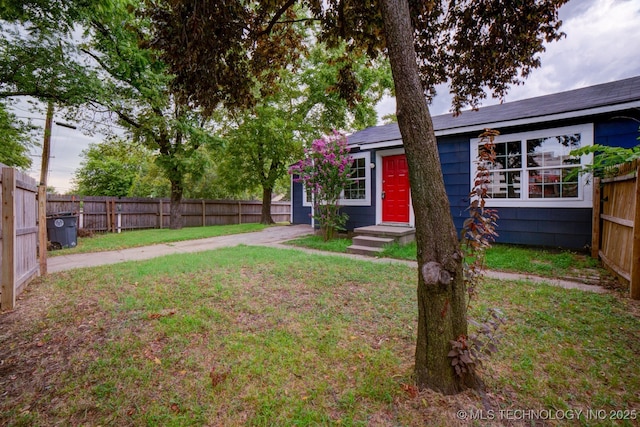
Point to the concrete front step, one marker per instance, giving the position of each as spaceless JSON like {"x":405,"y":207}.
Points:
{"x":364,"y":250}
{"x":372,"y":241}
{"x":400,"y":234}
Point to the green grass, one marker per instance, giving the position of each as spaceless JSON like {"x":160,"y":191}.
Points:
{"x":398,"y":251}
{"x":538,"y":261}
{"x":137,"y":238}
{"x":260,"y":336}
{"x":519,"y":259}
{"x":316,"y":242}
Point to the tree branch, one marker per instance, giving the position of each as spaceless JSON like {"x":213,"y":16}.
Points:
{"x":293,"y":21}
{"x":127,"y":119}
{"x":275,"y":18}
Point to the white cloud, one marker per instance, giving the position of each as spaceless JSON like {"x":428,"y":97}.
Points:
{"x":601,"y":46}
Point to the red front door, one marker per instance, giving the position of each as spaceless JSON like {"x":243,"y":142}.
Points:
{"x":395,"y":189}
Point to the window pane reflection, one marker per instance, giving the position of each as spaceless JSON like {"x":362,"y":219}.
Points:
{"x":552,"y":151}
{"x":552,"y":183}
{"x":505,"y":185}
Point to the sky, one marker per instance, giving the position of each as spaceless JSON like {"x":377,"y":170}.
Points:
{"x":602,"y":45}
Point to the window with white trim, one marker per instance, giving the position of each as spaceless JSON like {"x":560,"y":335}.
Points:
{"x":357,"y":188}
{"x":358,"y":192}
{"x":535,"y":168}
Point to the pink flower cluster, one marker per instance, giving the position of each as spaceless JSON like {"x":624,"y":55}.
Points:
{"x":325,"y":170}
{"x":326,"y":167}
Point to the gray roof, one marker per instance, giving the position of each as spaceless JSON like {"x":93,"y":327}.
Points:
{"x":532,"y":110}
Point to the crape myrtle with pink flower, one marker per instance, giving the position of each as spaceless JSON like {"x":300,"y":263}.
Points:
{"x":325,"y":171}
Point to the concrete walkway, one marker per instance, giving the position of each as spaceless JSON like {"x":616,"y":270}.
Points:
{"x":267,"y":236}
{"x":272,"y":237}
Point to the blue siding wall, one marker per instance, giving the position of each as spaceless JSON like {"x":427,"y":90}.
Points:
{"x":555,"y":227}
{"x":300,"y":213}
{"x":360,"y":216}
{"x":617,"y":132}
{"x":454,"y":158}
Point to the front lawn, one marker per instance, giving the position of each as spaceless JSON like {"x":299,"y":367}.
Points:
{"x":101,"y":242}
{"x":260,"y":336}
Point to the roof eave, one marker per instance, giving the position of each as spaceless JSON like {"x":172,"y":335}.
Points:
{"x":539,"y":119}
{"x":510,"y":123}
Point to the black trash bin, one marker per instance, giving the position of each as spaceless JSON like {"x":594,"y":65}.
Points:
{"x":62,"y":230}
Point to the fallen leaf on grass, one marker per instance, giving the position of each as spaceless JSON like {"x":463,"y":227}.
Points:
{"x":165,"y":313}
{"x":410,"y":389}
{"x":217,"y":376}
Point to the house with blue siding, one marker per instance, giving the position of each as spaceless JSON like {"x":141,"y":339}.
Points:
{"x":537,"y":202}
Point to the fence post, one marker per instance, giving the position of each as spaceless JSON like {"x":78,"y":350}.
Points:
{"x":42,"y":228}
{"x":239,"y":212}
{"x":634,"y":285}
{"x":113,"y":215}
{"x":8,"y":297}
{"x":108,"y":220}
{"x":160,"y":209}
{"x":595,"y":225}
{"x":204,"y":211}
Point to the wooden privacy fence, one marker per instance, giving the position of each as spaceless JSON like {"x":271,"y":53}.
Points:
{"x":128,"y":213}
{"x":616,"y":224}
{"x":19,"y":234}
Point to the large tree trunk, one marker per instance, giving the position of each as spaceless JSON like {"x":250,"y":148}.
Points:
{"x":175,"y":207}
{"x":267,"y":194}
{"x":441,"y":288}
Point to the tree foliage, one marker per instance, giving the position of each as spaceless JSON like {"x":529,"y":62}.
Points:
{"x":15,"y":140}
{"x":263,"y":140}
{"x":111,"y":168}
{"x":256,"y":153}
{"x":122,"y":167}
{"x":606,"y":160}
{"x":321,"y":102}
{"x":38,"y":54}
{"x":474,"y":45}
{"x":222,"y":42}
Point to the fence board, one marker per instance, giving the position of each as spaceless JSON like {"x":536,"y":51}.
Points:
{"x":8,"y":297}
{"x":617,"y":224}
{"x":102,"y":214}
{"x":19,"y":234}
